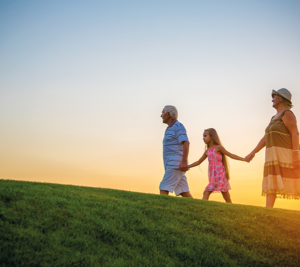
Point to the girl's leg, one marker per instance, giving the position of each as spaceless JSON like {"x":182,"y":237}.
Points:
{"x":226,"y":197}
{"x":206,"y":194}
{"x":270,"y":200}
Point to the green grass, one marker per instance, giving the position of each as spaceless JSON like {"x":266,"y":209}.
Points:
{"x":58,"y":225}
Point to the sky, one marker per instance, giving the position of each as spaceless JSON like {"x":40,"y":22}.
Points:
{"x":83,"y":84}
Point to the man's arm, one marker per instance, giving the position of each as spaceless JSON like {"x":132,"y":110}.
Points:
{"x":183,"y":165}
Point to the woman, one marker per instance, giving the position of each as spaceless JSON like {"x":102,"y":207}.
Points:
{"x":282,"y":161}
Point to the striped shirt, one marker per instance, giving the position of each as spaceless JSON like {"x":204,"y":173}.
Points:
{"x":175,"y":134}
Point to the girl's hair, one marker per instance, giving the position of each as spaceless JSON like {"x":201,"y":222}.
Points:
{"x":214,"y":135}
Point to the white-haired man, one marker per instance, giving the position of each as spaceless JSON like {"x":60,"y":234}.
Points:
{"x":175,"y":153}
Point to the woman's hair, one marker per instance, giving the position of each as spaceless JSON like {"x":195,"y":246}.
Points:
{"x":214,"y":135}
{"x":172,"y":110}
{"x":286,"y":102}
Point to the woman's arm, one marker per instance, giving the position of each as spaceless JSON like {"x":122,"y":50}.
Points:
{"x":260,"y":145}
{"x":225,"y":152}
{"x":198,"y":162}
{"x":290,"y":123}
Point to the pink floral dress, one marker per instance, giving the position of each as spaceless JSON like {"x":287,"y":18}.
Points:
{"x":216,"y":173}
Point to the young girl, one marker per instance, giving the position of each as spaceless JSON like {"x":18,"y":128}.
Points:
{"x":218,"y":168}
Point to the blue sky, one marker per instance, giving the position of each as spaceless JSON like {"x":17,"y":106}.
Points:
{"x":82,"y":83}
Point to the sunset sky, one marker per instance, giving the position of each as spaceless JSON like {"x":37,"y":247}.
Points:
{"x":83,"y":84}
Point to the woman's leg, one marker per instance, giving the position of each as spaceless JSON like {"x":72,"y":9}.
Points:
{"x":270,"y":200}
{"x":206,"y":194}
{"x":226,"y":197}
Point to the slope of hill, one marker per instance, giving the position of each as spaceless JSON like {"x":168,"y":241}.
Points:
{"x":59,"y":225}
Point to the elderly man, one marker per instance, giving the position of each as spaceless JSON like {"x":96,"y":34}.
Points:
{"x":175,"y":153}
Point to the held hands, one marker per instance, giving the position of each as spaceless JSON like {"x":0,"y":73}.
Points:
{"x":183,"y":166}
{"x":250,"y":157}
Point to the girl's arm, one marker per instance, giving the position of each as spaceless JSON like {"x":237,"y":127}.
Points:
{"x":260,"y":145}
{"x":198,"y":162}
{"x":225,"y":152}
{"x":290,"y":123}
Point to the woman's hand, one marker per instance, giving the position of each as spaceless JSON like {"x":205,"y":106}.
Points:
{"x":250,"y":156}
{"x":296,"y":159}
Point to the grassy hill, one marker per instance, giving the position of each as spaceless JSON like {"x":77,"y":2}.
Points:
{"x":58,"y":225}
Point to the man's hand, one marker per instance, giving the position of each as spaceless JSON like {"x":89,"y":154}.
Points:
{"x":183,"y":166}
